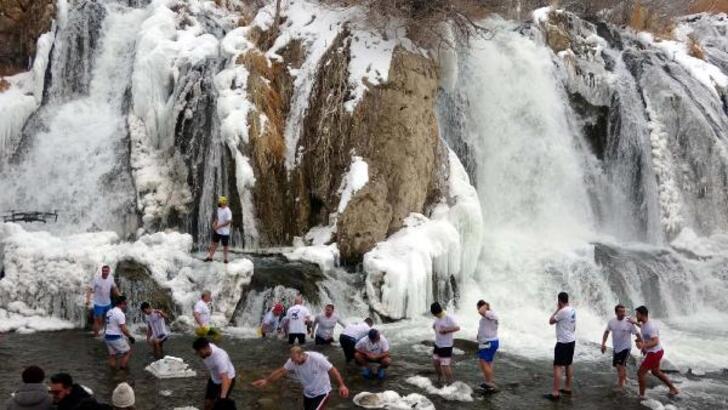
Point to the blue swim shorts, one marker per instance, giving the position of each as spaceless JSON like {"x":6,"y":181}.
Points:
{"x":486,"y":351}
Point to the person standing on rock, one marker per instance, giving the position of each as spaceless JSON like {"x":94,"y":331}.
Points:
{"x":444,"y":327}
{"x":298,"y":318}
{"x":565,"y":320}
{"x":314,"y":372}
{"x":221,"y":229}
{"x":116,"y":330}
{"x":373,"y":348}
{"x":157,"y":332}
{"x":271,"y":321}
{"x":487,"y":343}
{"x":222,"y":372}
{"x":622,"y":330}
{"x":651,"y":348}
{"x":324,"y":325}
{"x":103,"y":288}
{"x":351,"y":335}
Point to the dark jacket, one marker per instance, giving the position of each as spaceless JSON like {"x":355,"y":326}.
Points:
{"x":71,"y":402}
{"x":30,"y":396}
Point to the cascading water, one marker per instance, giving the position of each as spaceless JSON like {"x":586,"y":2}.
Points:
{"x":75,"y":151}
{"x":548,"y":208}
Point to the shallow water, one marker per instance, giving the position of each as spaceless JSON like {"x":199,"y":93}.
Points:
{"x":522,"y":381}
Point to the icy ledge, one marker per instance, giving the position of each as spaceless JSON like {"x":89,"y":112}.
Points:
{"x":45,"y":275}
{"x":401,"y":270}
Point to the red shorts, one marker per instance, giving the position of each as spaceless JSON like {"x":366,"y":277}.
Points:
{"x":652,"y":360}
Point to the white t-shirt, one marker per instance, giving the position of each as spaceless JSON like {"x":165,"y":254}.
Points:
{"x":313,"y":374}
{"x":622,"y":331}
{"x":488,"y":327}
{"x":325,"y":325}
{"x":366,"y":345}
{"x":218,"y":363}
{"x":650,"y":330}
{"x":203,"y":310}
{"x":102,"y":290}
{"x":114,"y":319}
{"x":270,"y":322}
{"x":566,"y":325}
{"x":356,"y":330}
{"x":155,"y":321}
{"x":224,"y":215}
{"x":444,"y":322}
{"x":297,"y":315}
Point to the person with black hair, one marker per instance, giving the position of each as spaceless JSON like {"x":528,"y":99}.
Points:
{"x":487,"y":343}
{"x":622,"y":330}
{"x":68,"y":395}
{"x":157,"y":332}
{"x":222,"y":372}
{"x":32,"y":394}
{"x":565,"y":320}
{"x":652,"y":349}
{"x":444,"y":327}
{"x":351,"y":334}
{"x":373,"y":349}
{"x":115,"y":333}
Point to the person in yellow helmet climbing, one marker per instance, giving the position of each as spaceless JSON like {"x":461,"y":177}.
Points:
{"x":221,"y":229}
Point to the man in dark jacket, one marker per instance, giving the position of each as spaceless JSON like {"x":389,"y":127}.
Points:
{"x":32,"y":394}
{"x":68,"y":395}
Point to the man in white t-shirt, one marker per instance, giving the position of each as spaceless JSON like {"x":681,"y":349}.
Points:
{"x":487,"y":343}
{"x":298,"y":318}
{"x":622,"y":330}
{"x":324,"y":325}
{"x":103,"y":288}
{"x":652,"y":349}
{"x":270,"y":325}
{"x":373,"y":348}
{"x":565,"y":320}
{"x":222,"y":372}
{"x":202,"y":314}
{"x":117,"y":334}
{"x":351,"y":334}
{"x":314,"y":372}
{"x":444,"y":327}
{"x":157,"y":332}
{"x":221,"y":229}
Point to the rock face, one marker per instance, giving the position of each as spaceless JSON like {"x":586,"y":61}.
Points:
{"x":136,"y":282}
{"x":21,"y":23}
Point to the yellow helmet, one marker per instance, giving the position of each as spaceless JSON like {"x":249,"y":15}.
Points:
{"x":222,"y":200}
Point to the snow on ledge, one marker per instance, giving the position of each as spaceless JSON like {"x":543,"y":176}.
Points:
{"x":353,"y":181}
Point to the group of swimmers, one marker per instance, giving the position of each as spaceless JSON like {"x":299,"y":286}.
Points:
{"x":365,"y":345}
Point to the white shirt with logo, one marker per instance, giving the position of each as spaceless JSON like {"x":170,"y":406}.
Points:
{"x":219,"y":363}
{"x":297,"y":316}
{"x":366,"y":345}
{"x":650,"y":330}
{"x":622,"y":332}
{"x":326,"y":324}
{"x":102,"y":290}
{"x":224,"y":215}
{"x":114,"y":319}
{"x":203,"y":311}
{"x":313,"y":374}
{"x":488,"y":327}
{"x":445,"y":322}
{"x":155,"y":321}
{"x":566,"y":325}
{"x":356,"y":330}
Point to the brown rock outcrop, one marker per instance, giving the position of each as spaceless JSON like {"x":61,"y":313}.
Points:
{"x":21,"y":23}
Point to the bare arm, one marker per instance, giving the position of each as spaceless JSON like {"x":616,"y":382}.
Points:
{"x":604,"y":340}
{"x":450,"y":330}
{"x":89,"y":292}
{"x":225,"y":387}
{"x":115,"y":290}
{"x":197,"y":318}
{"x":161,"y":313}
{"x":343,"y":390}
{"x":552,"y":319}
{"x":650,"y":342}
{"x":125,"y":330}
{"x":272,"y":378}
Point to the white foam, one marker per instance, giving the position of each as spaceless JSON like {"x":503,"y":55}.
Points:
{"x":392,"y":400}
{"x":457,"y":391}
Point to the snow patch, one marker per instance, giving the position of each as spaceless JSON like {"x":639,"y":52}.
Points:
{"x":353,"y":181}
{"x":709,"y":75}
{"x":371,"y":57}
{"x":457,"y":391}
{"x":325,"y":256}
{"x":392,"y":400}
{"x":170,"y":367}
{"x":541,"y":15}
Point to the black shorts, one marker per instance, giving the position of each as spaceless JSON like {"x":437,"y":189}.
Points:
{"x":564,"y":354}
{"x":442,"y":352}
{"x":315,"y":403}
{"x":293,"y":336}
{"x":213,"y":390}
{"x":620,"y":358}
{"x":321,"y":341}
{"x":348,"y":344}
{"x":216,"y":237}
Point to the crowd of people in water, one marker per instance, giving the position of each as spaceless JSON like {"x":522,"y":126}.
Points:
{"x":360,"y":343}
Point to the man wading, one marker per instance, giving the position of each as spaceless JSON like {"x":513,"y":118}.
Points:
{"x":221,"y":229}
{"x":652,"y":350}
{"x":222,"y":372}
{"x":622,"y":330}
{"x":114,"y":336}
{"x":444,"y":327}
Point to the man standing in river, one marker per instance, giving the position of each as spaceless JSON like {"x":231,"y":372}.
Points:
{"x":103,"y":288}
{"x":221,"y":229}
{"x":324,"y":325}
{"x":314,"y":372}
{"x":622,"y":330}
{"x":652,"y":350}
{"x":565,"y":320}
{"x":444,"y":327}
{"x":115,"y":333}
{"x":222,"y":372}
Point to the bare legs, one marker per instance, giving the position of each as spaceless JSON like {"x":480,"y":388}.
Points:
{"x":642,"y":380}
{"x":487,"y":369}
{"x":557,"y":379}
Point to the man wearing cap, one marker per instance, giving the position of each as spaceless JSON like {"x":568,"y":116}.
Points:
{"x":373,"y":348}
{"x":116,"y":329}
{"x":271,"y":320}
{"x":221,"y":229}
{"x":103,"y":288}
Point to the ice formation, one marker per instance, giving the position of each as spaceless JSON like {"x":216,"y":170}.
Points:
{"x":457,"y":391}
{"x":391,"y":400}
{"x":170,"y":367}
